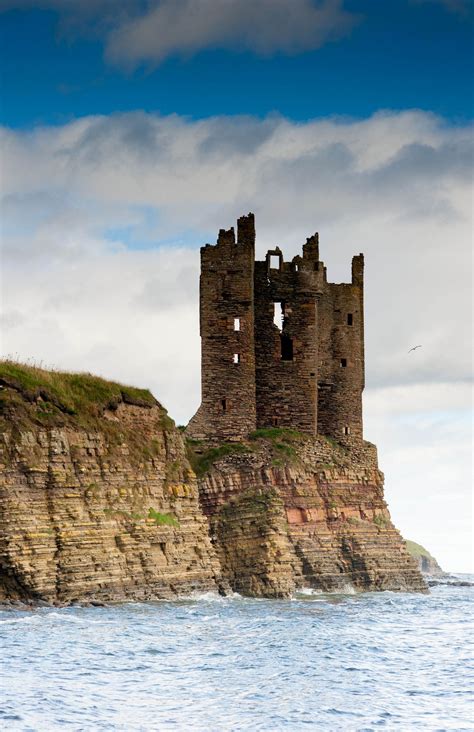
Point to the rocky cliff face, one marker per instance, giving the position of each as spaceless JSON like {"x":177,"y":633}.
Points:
{"x":426,"y":563}
{"x":296,"y":512}
{"x":99,"y":502}
{"x":97,"y":505}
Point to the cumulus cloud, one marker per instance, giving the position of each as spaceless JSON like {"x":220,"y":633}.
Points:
{"x":149,"y":32}
{"x":103,"y":217}
{"x":185,"y":27}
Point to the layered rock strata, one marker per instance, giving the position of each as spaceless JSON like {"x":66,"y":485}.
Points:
{"x":99,"y":502}
{"x":305,"y":513}
{"x":427,"y":564}
{"x":102,"y":514}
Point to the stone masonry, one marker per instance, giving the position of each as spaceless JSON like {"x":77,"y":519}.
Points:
{"x":281,"y":346}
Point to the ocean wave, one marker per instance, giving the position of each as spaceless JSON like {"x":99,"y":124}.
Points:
{"x":236,"y":663}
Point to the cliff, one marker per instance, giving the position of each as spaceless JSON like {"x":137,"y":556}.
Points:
{"x":427,"y":564}
{"x":99,"y":502}
{"x":97,"y":498}
{"x":287,"y":511}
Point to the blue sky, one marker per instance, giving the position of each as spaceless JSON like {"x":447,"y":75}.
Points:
{"x":398,"y":54}
{"x":134,"y":129}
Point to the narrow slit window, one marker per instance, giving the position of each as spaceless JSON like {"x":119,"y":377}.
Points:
{"x":347,"y":431}
{"x":224,"y":405}
{"x":343,"y":363}
{"x":236,"y":323}
{"x":236,"y":357}
{"x":286,"y":348}
{"x":278,"y":315}
{"x":350,"y":319}
{"x":275,"y":421}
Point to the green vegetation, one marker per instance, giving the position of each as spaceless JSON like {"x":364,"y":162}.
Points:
{"x":354,"y":521}
{"x":32,"y":397}
{"x":381,"y":521}
{"x":202,"y":462}
{"x":336,"y":445}
{"x":55,"y":397}
{"x":416,"y":550}
{"x":285,"y":450}
{"x":162,"y":519}
{"x":277,"y":433}
{"x":167,"y":423}
{"x":282,"y":442}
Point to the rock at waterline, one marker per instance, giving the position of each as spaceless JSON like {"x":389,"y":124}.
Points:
{"x":427,"y":564}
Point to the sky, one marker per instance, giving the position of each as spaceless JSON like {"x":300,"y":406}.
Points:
{"x":133,"y":130}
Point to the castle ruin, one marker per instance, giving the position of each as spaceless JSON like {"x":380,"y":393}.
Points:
{"x":281,"y":346}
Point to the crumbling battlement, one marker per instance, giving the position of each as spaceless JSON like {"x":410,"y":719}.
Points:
{"x":281,"y":346}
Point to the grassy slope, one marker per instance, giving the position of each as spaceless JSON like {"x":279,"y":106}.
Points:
{"x":416,"y":550}
{"x":30,"y":394}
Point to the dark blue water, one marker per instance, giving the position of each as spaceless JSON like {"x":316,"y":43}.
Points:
{"x":320,"y":662}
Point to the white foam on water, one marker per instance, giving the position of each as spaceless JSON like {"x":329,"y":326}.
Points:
{"x":209,"y":596}
{"x":345,"y":589}
{"x":308,"y":591}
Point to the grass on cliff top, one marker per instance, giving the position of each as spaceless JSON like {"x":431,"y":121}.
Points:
{"x":202,"y":462}
{"x":416,"y":550}
{"x":280,"y":440}
{"x":284,"y":434}
{"x":52,"y":394}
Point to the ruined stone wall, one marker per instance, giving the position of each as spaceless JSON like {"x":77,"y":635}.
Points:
{"x":286,"y":354}
{"x":341,"y":365}
{"x":228,"y":406}
{"x":307,"y":372}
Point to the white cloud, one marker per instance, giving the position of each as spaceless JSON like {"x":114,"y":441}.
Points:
{"x":136,"y":32}
{"x":78,"y":294}
{"x":185,"y":27}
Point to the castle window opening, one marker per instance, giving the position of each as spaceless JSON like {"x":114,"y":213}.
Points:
{"x":275,"y":421}
{"x":274,"y":261}
{"x":224,"y":405}
{"x":350,"y":319}
{"x":286,"y":347}
{"x":236,"y":323}
{"x":278,"y":314}
{"x":347,"y":430}
{"x":343,"y":363}
{"x":236,"y":357}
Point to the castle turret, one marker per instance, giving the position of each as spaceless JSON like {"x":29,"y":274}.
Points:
{"x":228,"y":406}
{"x":281,"y":347}
{"x":341,"y":368}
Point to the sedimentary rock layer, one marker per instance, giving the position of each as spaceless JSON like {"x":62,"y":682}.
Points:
{"x":99,"y":502}
{"x":427,"y":564}
{"x":99,"y":514}
{"x":316,"y":518}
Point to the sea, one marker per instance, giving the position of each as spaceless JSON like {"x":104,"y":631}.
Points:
{"x":350,"y":661}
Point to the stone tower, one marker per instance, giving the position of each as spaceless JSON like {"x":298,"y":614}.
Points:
{"x":281,"y":346}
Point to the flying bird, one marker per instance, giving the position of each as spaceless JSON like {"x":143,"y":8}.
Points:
{"x":414,"y":348}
